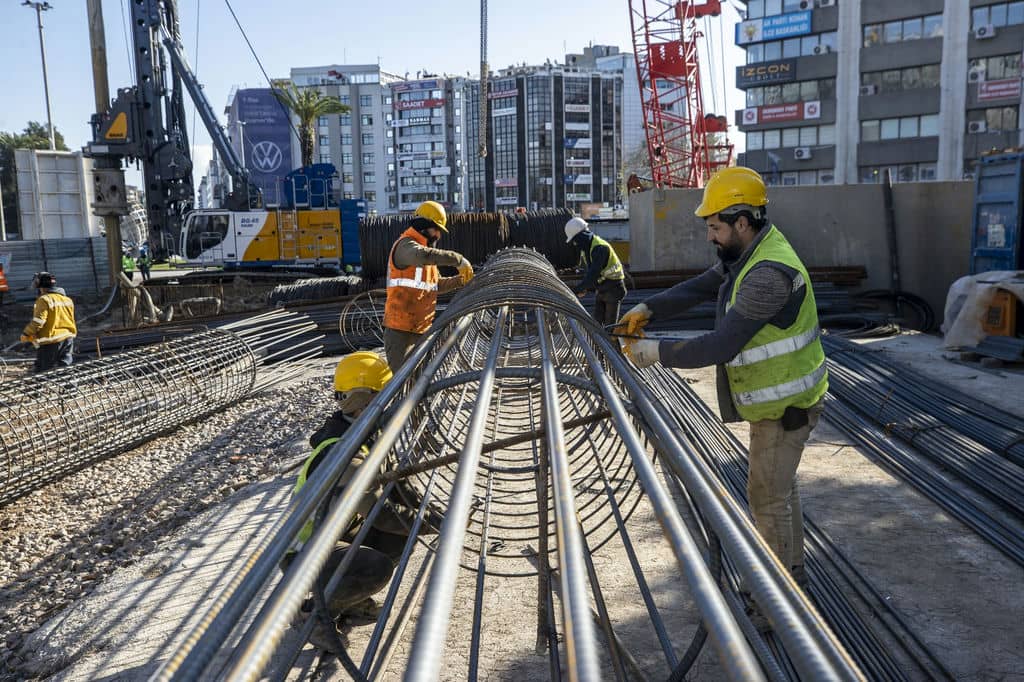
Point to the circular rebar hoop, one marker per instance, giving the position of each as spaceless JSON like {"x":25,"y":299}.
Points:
{"x":362,"y":319}
{"x":57,"y":422}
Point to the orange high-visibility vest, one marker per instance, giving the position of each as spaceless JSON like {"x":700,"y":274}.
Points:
{"x":412,"y":292}
{"x":3,"y":281}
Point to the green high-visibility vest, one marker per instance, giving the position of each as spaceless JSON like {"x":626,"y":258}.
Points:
{"x":779,"y":368}
{"x":613,"y":270}
{"x":307,"y":530}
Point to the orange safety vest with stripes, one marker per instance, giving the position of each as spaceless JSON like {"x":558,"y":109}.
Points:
{"x":3,"y":281}
{"x":412,"y":292}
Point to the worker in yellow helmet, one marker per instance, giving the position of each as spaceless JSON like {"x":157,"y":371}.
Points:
{"x":358,"y":378}
{"x":414,"y":281}
{"x":771,"y":366}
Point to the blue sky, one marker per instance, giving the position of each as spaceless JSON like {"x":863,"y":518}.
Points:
{"x":404,"y":36}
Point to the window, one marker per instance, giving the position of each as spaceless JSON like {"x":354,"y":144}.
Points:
{"x":907,"y":172}
{"x":926,"y":171}
{"x":1001,"y":66}
{"x":755,"y":9}
{"x":890,"y":129}
{"x":755,"y":141}
{"x":791,"y":137}
{"x":321,"y":121}
{"x":370,"y":196}
{"x":791,"y":48}
{"x":909,"y":126}
{"x":869,"y":131}
{"x":346,"y":138}
{"x":346,"y":158}
{"x":367,"y":158}
{"x":771,"y":139}
{"x":365,"y":100}
{"x":809,"y":177}
{"x":325,"y":158}
{"x":808,"y":91}
{"x":897,"y":80}
{"x":367,"y":138}
{"x":366,"y":120}
{"x":808,"y":135}
{"x":901,"y":30}
{"x":790,"y":93}
{"x":369,"y":178}
{"x":324,"y":141}
{"x":996,"y":119}
{"x":347,"y":178}
{"x":772,"y":51}
{"x":929,"y":125}
{"x":755,"y":53}
{"x":345,"y":99}
{"x":345,"y":119}
{"x":827,"y":134}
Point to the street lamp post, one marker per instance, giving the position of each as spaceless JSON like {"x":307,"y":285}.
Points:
{"x":41,"y":7}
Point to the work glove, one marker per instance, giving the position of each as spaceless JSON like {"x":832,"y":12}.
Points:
{"x":465,"y":270}
{"x":643,"y":352}
{"x":633,"y":322}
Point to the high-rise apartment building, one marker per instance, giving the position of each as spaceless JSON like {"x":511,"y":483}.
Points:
{"x":554,"y":138}
{"x":842,"y":90}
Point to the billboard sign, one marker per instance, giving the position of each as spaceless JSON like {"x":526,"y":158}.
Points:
{"x":773,"y":28}
{"x":408,"y":86}
{"x":503,"y":93}
{"x":779,"y":71}
{"x":577,"y":108}
{"x":577,"y":196}
{"x":1006,"y":88}
{"x":267,"y":138}
{"x":780,"y":113}
{"x":407,"y":104}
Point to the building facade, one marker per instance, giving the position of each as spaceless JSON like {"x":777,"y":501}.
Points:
{"x":554,"y":139}
{"x":844,"y":90}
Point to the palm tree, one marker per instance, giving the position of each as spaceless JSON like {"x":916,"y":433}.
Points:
{"x":308,"y":104}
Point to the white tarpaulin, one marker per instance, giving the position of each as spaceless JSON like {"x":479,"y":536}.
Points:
{"x":967,"y":303}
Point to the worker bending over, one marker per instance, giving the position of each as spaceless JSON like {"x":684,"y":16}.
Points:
{"x":357,"y":379}
{"x":52,"y":329}
{"x":414,"y":281}
{"x":602,"y":270}
{"x":771,"y":366}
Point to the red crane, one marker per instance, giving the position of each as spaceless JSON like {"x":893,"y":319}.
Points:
{"x":685,"y":145}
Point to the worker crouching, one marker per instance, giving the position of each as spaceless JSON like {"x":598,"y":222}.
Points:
{"x":602,"y":271}
{"x":357,"y":379}
{"x":52,"y":329}
{"x":414,"y":281}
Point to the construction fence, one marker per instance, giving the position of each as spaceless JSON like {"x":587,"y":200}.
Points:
{"x":81,"y":265}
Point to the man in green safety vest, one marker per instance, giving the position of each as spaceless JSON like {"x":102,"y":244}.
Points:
{"x":602,"y":268}
{"x":766,"y":345}
{"x":357,"y":379}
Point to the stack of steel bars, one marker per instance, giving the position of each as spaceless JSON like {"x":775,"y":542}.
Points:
{"x":883,"y":646}
{"x":963,"y":454}
{"x":517,"y":421}
{"x":57,"y":422}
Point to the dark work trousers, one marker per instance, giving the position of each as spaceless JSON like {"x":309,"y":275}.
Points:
{"x":49,"y":355}
{"x":607,"y":300}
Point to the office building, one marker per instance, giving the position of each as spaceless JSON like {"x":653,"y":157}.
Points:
{"x":843,"y":90}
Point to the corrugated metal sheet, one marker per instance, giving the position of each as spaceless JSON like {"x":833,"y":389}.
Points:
{"x":55,"y":193}
{"x":80,"y":265}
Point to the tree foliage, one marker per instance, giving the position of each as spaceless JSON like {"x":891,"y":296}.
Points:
{"x":308,"y":104}
{"x":34,"y":136}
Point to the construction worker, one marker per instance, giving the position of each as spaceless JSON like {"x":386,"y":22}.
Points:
{"x":144,"y":262}
{"x":357,"y":379}
{"x":52,"y":329}
{"x":771,"y":366}
{"x":127,"y":266}
{"x":414,"y":281}
{"x":602,"y":270}
{"x":4,"y":287}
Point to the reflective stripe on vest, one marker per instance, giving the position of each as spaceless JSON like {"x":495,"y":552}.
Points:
{"x":779,"y":367}
{"x":774,"y":349}
{"x":307,"y":529}
{"x":781,"y":391}
{"x":613,"y":269}
{"x":412,"y":292}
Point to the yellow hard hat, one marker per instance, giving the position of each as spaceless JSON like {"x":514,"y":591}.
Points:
{"x":364,"y":369}
{"x":732,"y":186}
{"x":434,"y":212}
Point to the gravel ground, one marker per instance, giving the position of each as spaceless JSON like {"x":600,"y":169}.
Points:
{"x":58,"y":543}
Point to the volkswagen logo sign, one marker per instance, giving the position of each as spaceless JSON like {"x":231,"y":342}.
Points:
{"x":266,"y":156}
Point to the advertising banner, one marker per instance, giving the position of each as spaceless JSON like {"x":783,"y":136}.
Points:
{"x":504,"y":93}
{"x":1007,"y":88}
{"x":779,"y":71}
{"x":773,"y":28}
{"x":779,"y":113}
{"x":406,"y":104}
{"x":416,"y":85}
{"x":267,"y":138}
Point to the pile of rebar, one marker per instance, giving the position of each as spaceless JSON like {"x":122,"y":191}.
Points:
{"x":517,"y":421}
{"x":963,"y":454}
{"x":60,"y":421}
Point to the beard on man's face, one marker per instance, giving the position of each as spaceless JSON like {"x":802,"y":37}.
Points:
{"x":729,"y":249}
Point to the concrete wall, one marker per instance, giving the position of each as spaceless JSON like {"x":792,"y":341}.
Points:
{"x":828,"y":225}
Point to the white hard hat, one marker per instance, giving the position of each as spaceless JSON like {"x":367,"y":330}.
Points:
{"x":574,"y":227}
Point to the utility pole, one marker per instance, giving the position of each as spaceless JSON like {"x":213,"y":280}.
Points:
{"x":107,"y":173}
{"x":3,"y":222}
{"x":41,"y":7}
